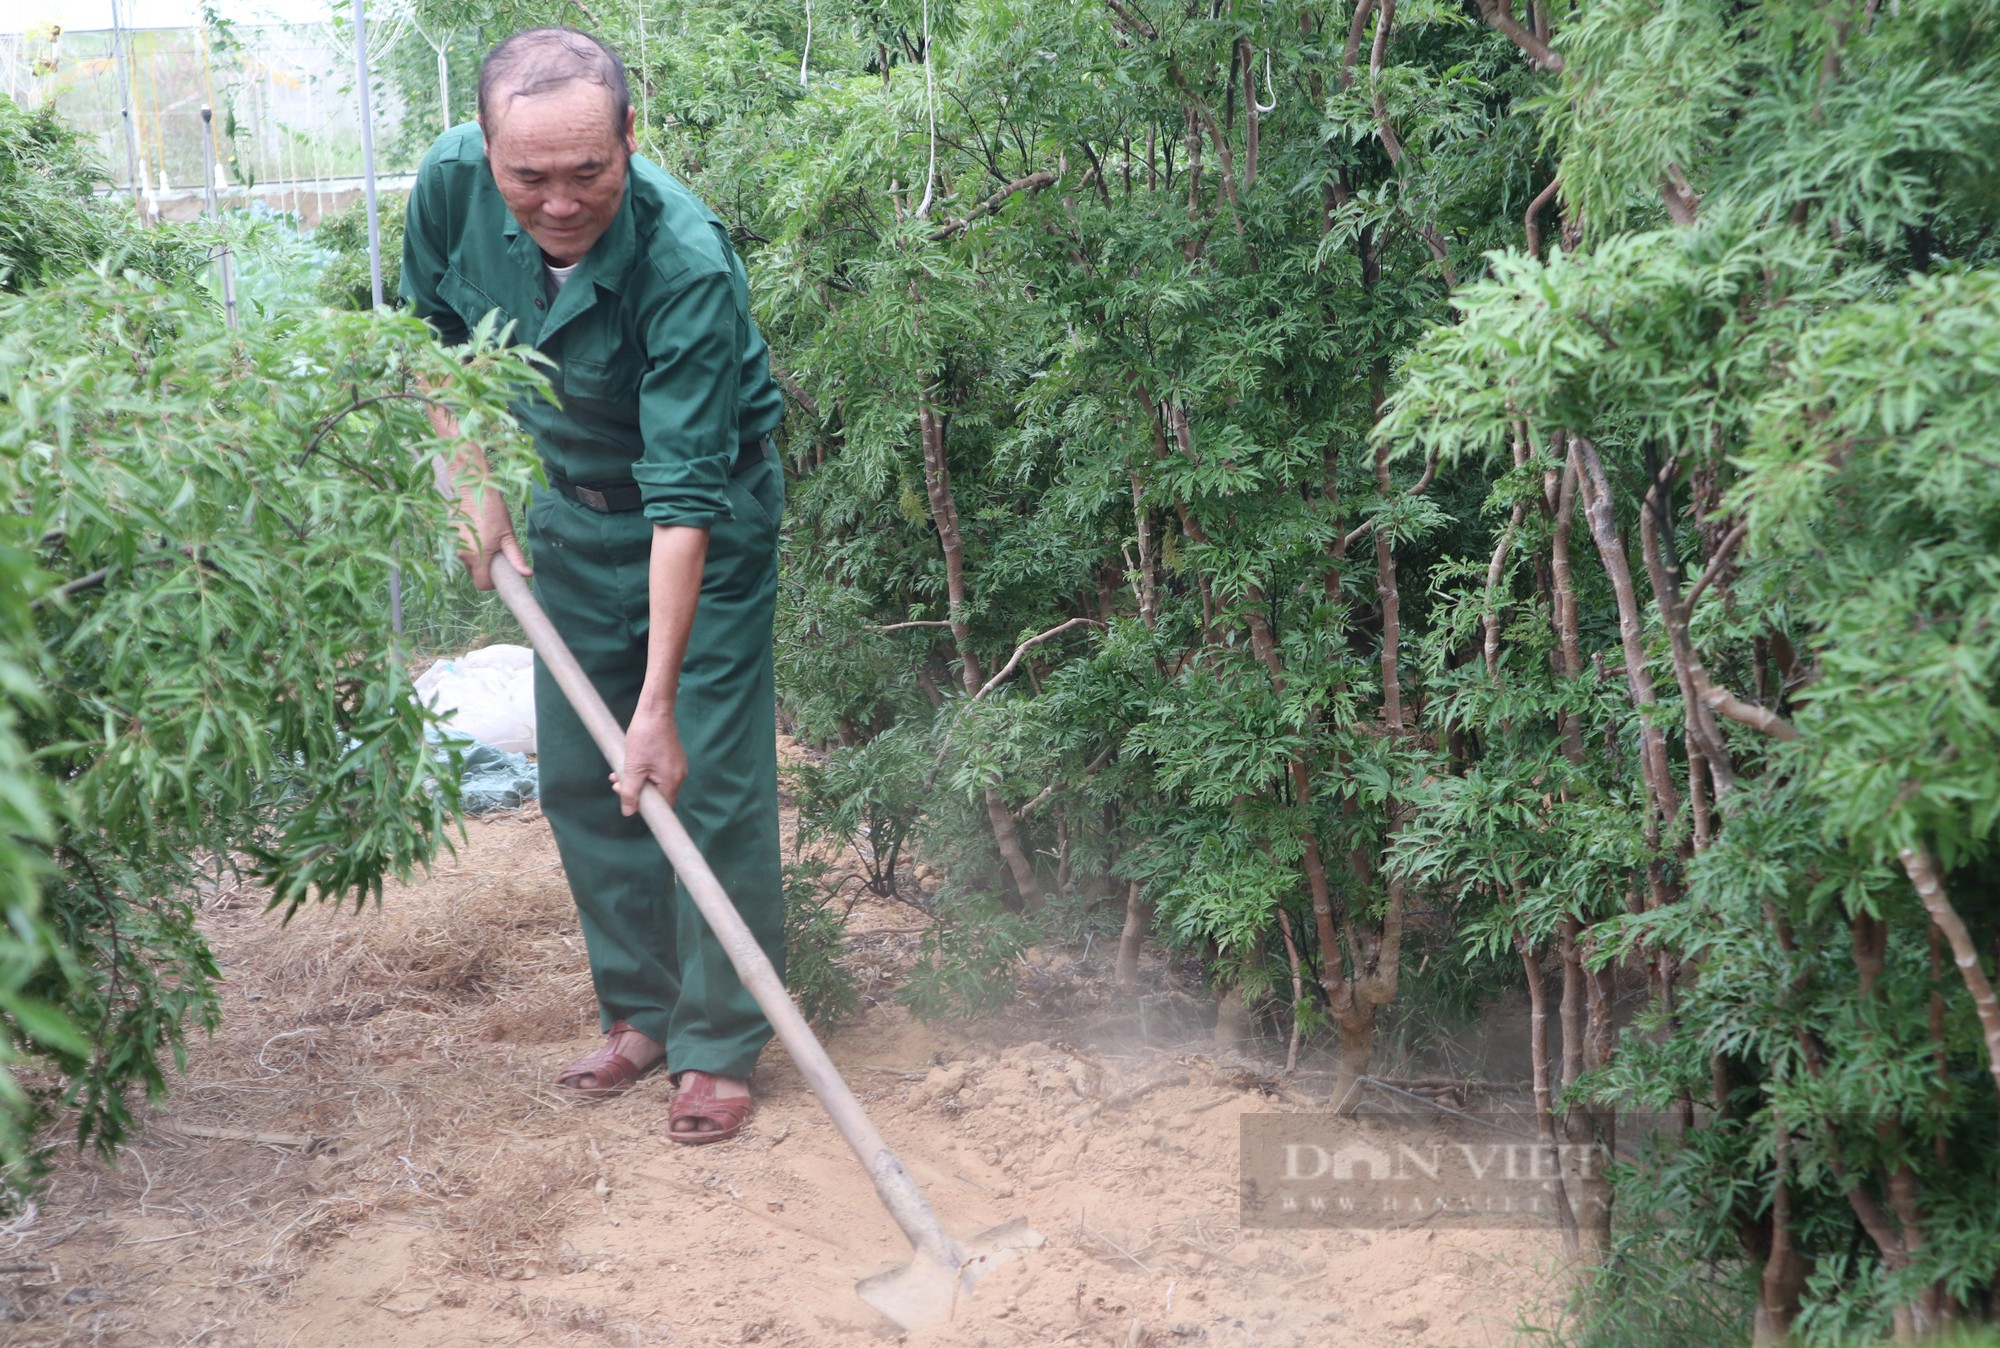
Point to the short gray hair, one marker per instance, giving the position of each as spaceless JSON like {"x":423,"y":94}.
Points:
{"x":536,"y":60}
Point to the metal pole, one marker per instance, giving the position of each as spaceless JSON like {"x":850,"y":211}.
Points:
{"x":374,"y":237}
{"x":125,"y":109}
{"x":224,"y":263}
{"x":368,"y":150}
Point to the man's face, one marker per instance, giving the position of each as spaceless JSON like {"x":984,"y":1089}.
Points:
{"x":559,"y":159}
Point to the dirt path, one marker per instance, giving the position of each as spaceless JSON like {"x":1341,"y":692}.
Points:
{"x":367,"y":1154}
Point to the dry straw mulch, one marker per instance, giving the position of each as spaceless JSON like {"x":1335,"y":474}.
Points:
{"x":367,"y":1067}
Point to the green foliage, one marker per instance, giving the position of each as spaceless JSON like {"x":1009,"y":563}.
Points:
{"x":1316,"y":546}
{"x":1777,"y":371}
{"x":969,"y":962}
{"x":51,"y":224}
{"x":277,"y":267}
{"x":450,"y":617}
{"x":346,"y":281}
{"x":815,"y":931}
{"x":203,"y":524}
{"x":1650,"y":1295}
{"x":1132,"y":436}
{"x":867,"y":798}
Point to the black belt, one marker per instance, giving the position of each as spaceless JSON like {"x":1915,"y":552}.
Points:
{"x":621,"y":497}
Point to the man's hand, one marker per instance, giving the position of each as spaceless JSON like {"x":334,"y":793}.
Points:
{"x":485,"y":528}
{"x":653,"y":756}
{"x":653,"y":752}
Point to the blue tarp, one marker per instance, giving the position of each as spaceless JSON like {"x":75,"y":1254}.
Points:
{"x":491,"y":779}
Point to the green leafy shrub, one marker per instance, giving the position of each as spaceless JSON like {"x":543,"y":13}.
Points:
{"x":815,"y":939}
{"x":52,"y":226}
{"x":869,"y":797}
{"x":1408,"y":482}
{"x":200,"y":663}
{"x":346,"y":282}
{"x":969,"y":961}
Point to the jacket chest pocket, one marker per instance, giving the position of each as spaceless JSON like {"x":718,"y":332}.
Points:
{"x":614,"y":382}
{"x":467,"y":300}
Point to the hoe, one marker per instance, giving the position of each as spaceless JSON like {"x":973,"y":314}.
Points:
{"x":943,"y":1272}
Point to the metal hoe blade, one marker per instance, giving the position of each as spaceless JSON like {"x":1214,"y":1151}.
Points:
{"x":929,"y":1289}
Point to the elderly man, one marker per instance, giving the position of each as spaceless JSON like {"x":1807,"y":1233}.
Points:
{"x":655,"y":544}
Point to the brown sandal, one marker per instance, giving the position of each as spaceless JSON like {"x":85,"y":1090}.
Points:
{"x":612,"y":1071}
{"x":696,"y":1099}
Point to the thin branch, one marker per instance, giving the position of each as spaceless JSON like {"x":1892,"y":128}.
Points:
{"x":1425,"y":478}
{"x":1095,"y":766}
{"x":90,"y":580}
{"x":1500,"y":14}
{"x":1096,"y":171}
{"x":1923,"y":873}
{"x":1367,"y":526}
{"x":807,"y":403}
{"x":1298,"y":990}
{"x":1730,"y":542}
{"x":1022,"y":649}
{"x":326,"y":426}
{"x":1532,"y":221}
{"x":1033,"y":182}
{"x":1043,"y":795}
{"x":920,"y":622}
{"x":1132,"y":19}
{"x":1717,"y":698}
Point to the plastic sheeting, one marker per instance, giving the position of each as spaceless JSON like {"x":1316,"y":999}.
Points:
{"x":491,"y":779}
{"x":487,"y":700}
{"x":486,"y":695}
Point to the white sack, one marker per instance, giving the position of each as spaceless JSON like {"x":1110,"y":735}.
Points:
{"x":499,"y":656}
{"x":487,"y":694}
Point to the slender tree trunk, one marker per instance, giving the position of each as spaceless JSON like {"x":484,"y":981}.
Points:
{"x":1869,"y":948}
{"x":1232,"y":1018}
{"x":1940,"y":1059}
{"x":1783,"y":1284}
{"x":1148,"y":580}
{"x":1569,"y":644}
{"x":1538,"y":1056}
{"x":1391,"y":601}
{"x":1298,"y":990}
{"x":1132,"y":939}
{"x":1192,"y":248}
{"x":1703,"y":735}
{"x":1586,"y":1034}
{"x":1698,"y":799}
{"x":1250,"y":114}
{"x":1494,"y":571}
{"x":944,"y":515}
{"x":1598,"y":512}
{"x":1923,"y":873}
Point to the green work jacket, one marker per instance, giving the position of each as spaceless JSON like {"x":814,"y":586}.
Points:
{"x":660,"y":372}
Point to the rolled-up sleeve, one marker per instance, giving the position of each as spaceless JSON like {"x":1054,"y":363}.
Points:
{"x":687,"y":403}
{"x":427,"y":255}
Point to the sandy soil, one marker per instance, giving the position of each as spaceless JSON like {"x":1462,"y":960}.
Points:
{"x":368,"y":1153}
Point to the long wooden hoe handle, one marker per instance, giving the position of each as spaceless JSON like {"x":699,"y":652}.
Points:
{"x":893,"y":1181}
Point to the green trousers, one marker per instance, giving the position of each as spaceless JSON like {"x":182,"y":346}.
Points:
{"x":653,"y":959}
